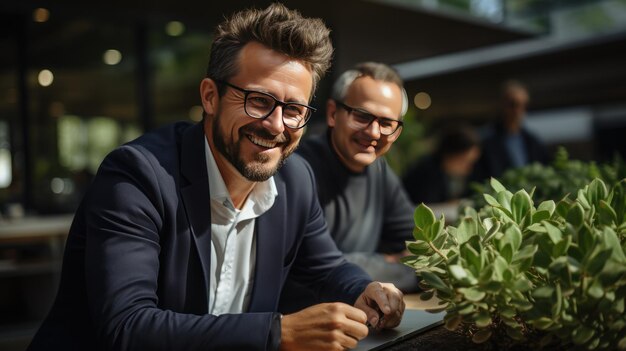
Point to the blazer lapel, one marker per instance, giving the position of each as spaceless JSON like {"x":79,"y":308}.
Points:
{"x":269,"y":253}
{"x":196,"y":197}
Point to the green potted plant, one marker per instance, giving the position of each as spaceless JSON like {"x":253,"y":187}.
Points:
{"x":514,"y":271}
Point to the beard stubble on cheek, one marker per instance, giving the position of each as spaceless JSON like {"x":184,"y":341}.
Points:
{"x":260,"y":168}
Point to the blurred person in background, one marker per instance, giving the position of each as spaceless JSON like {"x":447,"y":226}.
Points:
{"x":368,"y":212}
{"x":508,"y":144}
{"x":443,"y":176}
{"x":187,"y":234}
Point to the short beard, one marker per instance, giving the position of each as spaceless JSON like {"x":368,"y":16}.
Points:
{"x":253,"y":171}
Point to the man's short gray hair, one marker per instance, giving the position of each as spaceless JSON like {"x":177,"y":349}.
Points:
{"x":374,"y":70}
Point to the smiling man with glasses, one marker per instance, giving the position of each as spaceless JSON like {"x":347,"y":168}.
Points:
{"x":188,"y":233}
{"x":368,"y":211}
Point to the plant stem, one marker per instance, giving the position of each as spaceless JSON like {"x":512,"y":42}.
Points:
{"x":430,"y":243}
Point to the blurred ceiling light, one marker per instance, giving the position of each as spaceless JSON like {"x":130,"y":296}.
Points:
{"x":422,"y":100}
{"x":41,"y":15}
{"x":45,"y":77}
{"x":112,"y":57}
{"x":174,"y":28}
{"x":195,"y":113}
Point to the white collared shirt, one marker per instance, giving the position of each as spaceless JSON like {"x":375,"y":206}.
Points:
{"x":233,"y":243}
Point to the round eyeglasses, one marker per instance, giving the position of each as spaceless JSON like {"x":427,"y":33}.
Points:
{"x":360,"y":120}
{"x":260,"y":105}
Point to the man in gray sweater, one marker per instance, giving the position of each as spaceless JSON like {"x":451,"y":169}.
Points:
{"x":369,"y":214}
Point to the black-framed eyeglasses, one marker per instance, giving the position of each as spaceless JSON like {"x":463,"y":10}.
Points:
{"x":360,"y":120}
{"x":260,"y":105}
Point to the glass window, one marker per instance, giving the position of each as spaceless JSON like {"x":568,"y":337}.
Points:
{"x":179,"y":56}
{"x":82,"y":87}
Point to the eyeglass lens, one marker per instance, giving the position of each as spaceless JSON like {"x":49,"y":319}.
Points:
{"x":362,"y":120}
{"x":259,"y":105}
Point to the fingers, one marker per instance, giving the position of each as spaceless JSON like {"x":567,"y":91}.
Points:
{"x":396,"y":304}
{"x":333,"y":326}
{"x":383,"y":303}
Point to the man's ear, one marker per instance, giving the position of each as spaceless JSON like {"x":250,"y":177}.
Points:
{"x":209,"y":95}
{"x":331,"y":110}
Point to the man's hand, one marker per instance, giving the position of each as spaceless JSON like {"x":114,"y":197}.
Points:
{"x":328,"y":326}
{"x":383,"y":304}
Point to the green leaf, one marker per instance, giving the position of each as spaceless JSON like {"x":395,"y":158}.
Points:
{"x":513,"y":235}
{"x":521,"y":257}
{"x":621,"y":344}
{"x":457,"y":272}
{"x":618,"y":201}
{"x":575,"y":215}
{"x":561,"y":247}
{"x":595,"y":290}
{"x":467,"y":229}
{"x":453,"y":322}
{"x":520,"y":205}
{"x":483,"y":319}
{"x":508,"y":312}
{"x":471,"y":257}
{"x":543,"y":292}
{"x":596,"y":191}
{"x":553,"y":232}
{"x":437,"y":228}
{"x":504,"y":198}
{"x":418,"y":248}
{"x":611,"y":240}
{"x":522,"y":285}
{"x":507,"y":252}
{"x":491,"y":200}
{"x":482,"y":335}
{"x":597,"y":261}
{"x":558,"y":302}
{"x":419,"y":234}
{"x":492,"y":230}
{"x":548,"y":206}
{"x":539,"y":216}
{"x":423,"y":217}
{"x":427,"y":295}
{"x":582,"y":334}
{"x":606,"y":213}
{"x":586,"y":240}
{"x":496,"y":185}
{"x":467,"y":309}
{"x":472,"y":294}
{"x":434,"y":281}
{"x":563,"y":207}
{"x":499,"y":266}
{"x":542,"y":323}
{"x":581,"y":198}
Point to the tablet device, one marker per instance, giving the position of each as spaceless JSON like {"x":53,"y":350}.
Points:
{"x":413,"y":323}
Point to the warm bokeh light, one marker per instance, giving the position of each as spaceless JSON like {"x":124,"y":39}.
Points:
{"x":175,"y":28}
{"x":45,"y":77}
{"x":195,"y":113}
{"x":422,"y":100}
{"x":112,"y":57}
{"x":41,"y":15}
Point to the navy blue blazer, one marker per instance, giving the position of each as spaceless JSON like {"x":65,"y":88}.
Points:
{"x":136,"y":265}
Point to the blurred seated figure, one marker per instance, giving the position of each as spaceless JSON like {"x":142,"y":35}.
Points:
{"x":508,"y":144}
{"x":443,"y":176}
